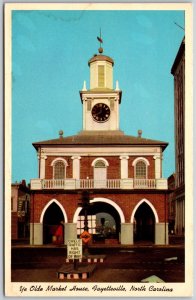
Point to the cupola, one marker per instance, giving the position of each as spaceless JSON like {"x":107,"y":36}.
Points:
{"x":101,"y":71}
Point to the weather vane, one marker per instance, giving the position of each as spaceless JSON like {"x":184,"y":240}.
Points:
{"x":101,"y":42}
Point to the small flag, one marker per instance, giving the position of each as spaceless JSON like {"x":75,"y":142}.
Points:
{"x":100,"y":39}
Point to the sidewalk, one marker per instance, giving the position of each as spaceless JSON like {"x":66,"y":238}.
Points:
{"x":175,"y":244}
{"x":174,"y":240}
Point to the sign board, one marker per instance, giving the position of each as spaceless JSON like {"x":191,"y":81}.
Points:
{"x":85,"y":236}
{"x":74,"y":249}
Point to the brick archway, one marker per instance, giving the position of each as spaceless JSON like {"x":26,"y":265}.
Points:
{"x":46,"y":207}
{"x":151,"y":206}
{"x":104,"y":200}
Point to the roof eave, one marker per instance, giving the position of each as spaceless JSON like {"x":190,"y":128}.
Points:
{"x":178,"y":56}
{"x":42,"y":144}
{"x":97,"y":92}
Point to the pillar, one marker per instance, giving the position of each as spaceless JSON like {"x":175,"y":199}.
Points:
{"x":36,"y":233}
{"x":124,"y":167}
{"x":42,"y":157}
{"x":126,"y":234}
{"x":70,"y":232}
{"x":158,"y":169}
{"x":76,"y":167}
{"x":161,"y":234}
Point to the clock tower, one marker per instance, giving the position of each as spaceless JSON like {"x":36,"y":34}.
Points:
{"x":101,"y":101}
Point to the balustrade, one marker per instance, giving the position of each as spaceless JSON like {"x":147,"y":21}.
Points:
{"x":144,"y":183}
{"x":71,"y":183}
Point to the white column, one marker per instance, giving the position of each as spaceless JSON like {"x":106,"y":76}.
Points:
{"x":84,"y":105}
{"x":117,"y":113}
{"x":158,"y":169}
{"x":124,"y":167}
{"x":126,"y":234}
{"x":36,"y":234}
{"x":42,"y":165}
{"x":76,"y":167}
{"x":161,"y":234}
{"x":70,"y":232}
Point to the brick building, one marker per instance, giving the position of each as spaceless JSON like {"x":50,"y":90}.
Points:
{"x":122,"y":173}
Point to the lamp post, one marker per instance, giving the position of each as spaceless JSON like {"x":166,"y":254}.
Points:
{"x":85,"y":235}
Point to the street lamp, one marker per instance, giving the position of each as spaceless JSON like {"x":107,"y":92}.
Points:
{"x":85,"y":234}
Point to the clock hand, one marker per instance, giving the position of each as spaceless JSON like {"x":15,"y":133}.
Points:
{"x":100,"y":112}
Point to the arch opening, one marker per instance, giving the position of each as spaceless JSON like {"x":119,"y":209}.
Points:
{"x":53,"y":229}
{"x":144,"y":224}
{"x":103,"y":222}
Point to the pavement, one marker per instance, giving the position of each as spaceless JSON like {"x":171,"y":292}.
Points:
{"x":130,"y":263}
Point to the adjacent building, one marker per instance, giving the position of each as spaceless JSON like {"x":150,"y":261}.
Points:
{"x":20,"y":207}
{"x":178,"y":71}
{"x":171,"y":204}
{"x":122,"y":174}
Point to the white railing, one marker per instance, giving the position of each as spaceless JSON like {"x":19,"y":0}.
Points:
{"x":144,"y":183}
{"x":73,"y":184}
{"x":53,"y":183}
{"x":80,"y":184}
{"x":98,"y":184}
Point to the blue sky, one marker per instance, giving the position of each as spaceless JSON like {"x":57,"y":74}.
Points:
{"x":50,"y":53}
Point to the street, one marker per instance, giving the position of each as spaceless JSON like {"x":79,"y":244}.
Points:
{"x":121,"y":264}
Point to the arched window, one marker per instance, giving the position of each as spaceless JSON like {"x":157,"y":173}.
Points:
{"x":100,"y":164}
{"x":59,"y":170}
{"x":100,"y":172}
{"x":140,"y":170}
{"x":140,"y":165}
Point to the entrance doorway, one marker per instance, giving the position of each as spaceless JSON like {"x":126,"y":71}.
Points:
{"x":144,"y":224}
{"x":53,"y":229}
{"x":103,"y":223}
{"x":100,"y":174}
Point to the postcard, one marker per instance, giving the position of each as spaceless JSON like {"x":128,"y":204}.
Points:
{"x":98,"y":149}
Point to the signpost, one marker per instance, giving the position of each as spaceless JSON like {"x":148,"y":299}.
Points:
{"x":74,"y":251}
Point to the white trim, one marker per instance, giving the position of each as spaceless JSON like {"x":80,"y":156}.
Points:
{"x":48,"y":204}
{"x":99,"y":158}
{"x":151,"y":206}
{"x":124,"y":166}
{"x":59,"y":159}
{"x":140,"y":158}
{"x":96,"y":151}
{"x":104,"y":200}
{"x":76,"y":166}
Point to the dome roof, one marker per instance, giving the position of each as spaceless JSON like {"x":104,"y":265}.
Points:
{"x":99,"y":57}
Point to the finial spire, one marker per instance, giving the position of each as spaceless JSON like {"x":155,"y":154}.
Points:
{"x":101,"y":42}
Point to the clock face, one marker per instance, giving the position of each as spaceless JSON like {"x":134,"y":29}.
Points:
{"x":100,"y":112}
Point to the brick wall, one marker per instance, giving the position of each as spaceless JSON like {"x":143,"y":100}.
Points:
{"x":49,"y":168}
{"x":126,"y":202}
{"x":14,"y":225}
{"x":86,"y":168}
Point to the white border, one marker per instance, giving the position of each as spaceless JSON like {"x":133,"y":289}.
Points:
{"x":180,"y":289}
